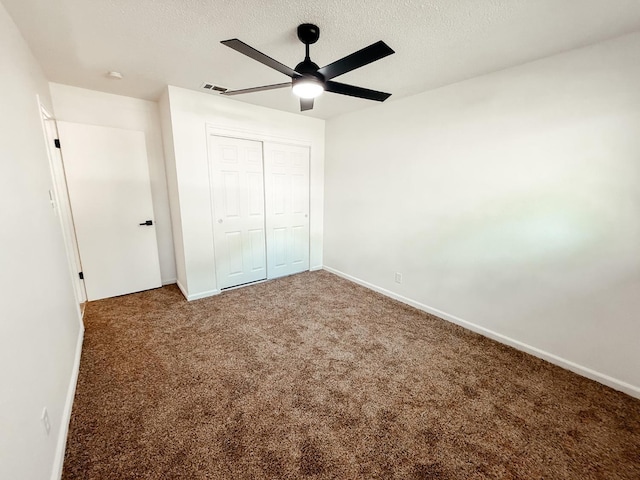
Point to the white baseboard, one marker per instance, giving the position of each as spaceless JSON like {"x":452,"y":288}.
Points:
{"x":209,"y":293}
{"x":549,"y":357}
{"x":196,"y":296}
{"x":170,"y":281}
{"x":316,"y":268}
{"x":58,"y":464}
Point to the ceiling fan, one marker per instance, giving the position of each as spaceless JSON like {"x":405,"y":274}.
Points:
{"x":308,"y":80}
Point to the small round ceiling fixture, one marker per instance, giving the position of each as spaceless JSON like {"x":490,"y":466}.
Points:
{"x":114,"y":75}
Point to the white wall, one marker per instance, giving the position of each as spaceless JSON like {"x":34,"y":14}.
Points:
{"x":510,"y":201}
{"x":190,"y":113}
{"x":73,"y":104}
{"x":172,"y":186}
{"x":39,"y":321}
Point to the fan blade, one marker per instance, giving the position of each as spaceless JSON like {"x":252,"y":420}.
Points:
{"x":257,"y":89}
{"x":251,"y":52}
{"x":306,"y":104}
{"x":344,"y":89}
{"x":358,"y":59}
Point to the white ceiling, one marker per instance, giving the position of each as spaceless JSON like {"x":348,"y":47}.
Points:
{"x":437,"y":42}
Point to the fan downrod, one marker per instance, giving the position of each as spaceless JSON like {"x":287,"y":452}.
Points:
{"x":308,"y":33}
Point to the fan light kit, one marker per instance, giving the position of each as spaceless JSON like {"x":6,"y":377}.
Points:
{"x":307,"y":87}
{"x":308,"y":80}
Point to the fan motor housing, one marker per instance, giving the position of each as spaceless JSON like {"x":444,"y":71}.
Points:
{"x":307,"y":67}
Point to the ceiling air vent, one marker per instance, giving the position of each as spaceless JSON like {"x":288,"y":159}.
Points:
{"x":211,"y":87}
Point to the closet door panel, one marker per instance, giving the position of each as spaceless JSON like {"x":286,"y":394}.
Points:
{"x":237,"y":174}
{"x":286,"y":170}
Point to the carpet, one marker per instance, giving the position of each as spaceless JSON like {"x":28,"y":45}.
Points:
{"x":312,"y":376}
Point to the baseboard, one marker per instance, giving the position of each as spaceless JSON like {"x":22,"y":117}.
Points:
{"x":170,"y":281}
{"x":549,"y":357}
{"x":196,"y":296}
{"x":58,"y":464}
{"x":316,"y":268}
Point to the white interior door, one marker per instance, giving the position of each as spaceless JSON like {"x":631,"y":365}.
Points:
{"x":287,"y":208}
{"x":108,"y":181}
{"x":237,"y":184}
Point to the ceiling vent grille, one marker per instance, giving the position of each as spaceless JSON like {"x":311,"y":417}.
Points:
{"x":212,"y":87}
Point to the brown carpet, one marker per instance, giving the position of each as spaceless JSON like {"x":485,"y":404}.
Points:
{"x":312,"y":376}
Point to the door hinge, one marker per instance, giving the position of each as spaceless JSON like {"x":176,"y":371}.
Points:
{"x":56,"y":142}
{"x":81,"y":275}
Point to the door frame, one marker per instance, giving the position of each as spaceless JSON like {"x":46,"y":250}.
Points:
{"x":62,"y":205}
{"x":244,"y":134}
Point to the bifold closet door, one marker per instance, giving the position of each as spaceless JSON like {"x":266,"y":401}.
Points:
{"x":286,"y":180}
{"x":237,"y":181}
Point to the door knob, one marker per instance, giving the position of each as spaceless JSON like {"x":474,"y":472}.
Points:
{"x":148,"y":222}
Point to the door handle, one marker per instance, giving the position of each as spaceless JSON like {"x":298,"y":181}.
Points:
{"x":148,"y":222}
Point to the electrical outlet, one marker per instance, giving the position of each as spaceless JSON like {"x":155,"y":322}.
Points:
{"x":398,"y":277}
{"x":45,"y":420}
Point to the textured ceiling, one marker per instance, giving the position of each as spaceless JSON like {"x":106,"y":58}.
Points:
{"x":437,"y":42}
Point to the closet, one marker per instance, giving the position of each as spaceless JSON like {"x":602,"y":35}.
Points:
{"x":260,"y":207}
